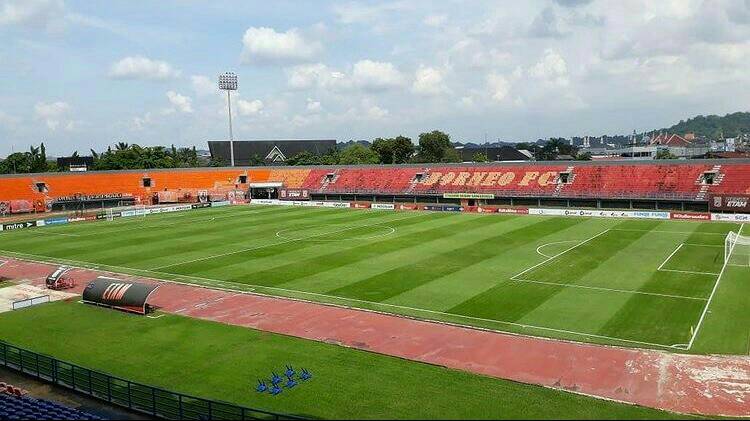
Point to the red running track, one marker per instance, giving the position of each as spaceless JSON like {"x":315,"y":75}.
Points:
{"x":709,"y":385}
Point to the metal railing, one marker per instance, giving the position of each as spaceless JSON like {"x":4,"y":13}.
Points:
{"x":134,"y":396}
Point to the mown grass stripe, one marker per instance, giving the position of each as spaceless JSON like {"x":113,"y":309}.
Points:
{"x":398,"y":280}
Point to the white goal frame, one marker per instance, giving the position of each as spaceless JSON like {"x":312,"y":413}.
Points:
{"x":737,"y":249}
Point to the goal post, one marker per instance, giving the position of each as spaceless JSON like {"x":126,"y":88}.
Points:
{"x":737,"y":250}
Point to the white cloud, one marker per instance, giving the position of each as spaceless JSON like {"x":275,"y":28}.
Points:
{"x":374,"y":112}
{"x":139,"y":67}
{"x":266,"y":46}
{"x":551,"y":68}
{"x":181,"y":103}
{"x":429,"y":81}
{"x":317,"y":75}
{"x":140,"y":123}
{"x":203,"y":86}
{"x":313,"y":106}
{"x":32,"y":13}
{"x":435,"y":20}
{"x":8,"y":121}
{"x":54,"y":114}
{"x":376,"y":75}
{"x":359,"y":12}
{"x":250,"y":108}
{"x":498,"y":86}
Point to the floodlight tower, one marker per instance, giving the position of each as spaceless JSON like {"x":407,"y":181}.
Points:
{"x":228,"y":82}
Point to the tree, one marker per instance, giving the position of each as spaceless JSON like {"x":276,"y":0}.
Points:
{"x":358,"y":154}
{"x":331,"y":157}
{"x":665,"y":154}
{"x":451,"y":155}
{"x":256,"y":160}
{"x":395,"y":150}
{"x":433,"y":146}
{"x":304,"y":158}
{"x":384,"y":149}
{"x":584,"y":156}
{"x":403,"y":149}
{"x":479,"y":157}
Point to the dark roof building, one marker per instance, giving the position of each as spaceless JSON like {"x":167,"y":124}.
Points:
{"x":75,"y":163}
{"x":270,"y":152}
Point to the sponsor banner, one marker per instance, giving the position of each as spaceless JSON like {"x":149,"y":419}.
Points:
{"x":220,"y":204}
{"x":53,"y":221}
{"x":516,"y":211}
{"x":94,"y":197}
{"x":468,"y":196}
{"x":200,"y":205}
{"x":166,"y":209}
{"x":264,"y":201}
{"x":691,"y":216}
{"x":360,"y":205}
{"x":730,"y":217}
{"x":294,"y":194}
{"x":103,"y":215}
{"x":734,"y":203}
{"x":19,"y":225}
{"x":384,"y":206}
{"x":408,"y":207}
{"x":649,"y":215}
{"x":450,"y":208}
{"x":600,"y":213}
{"x":336,"y":204}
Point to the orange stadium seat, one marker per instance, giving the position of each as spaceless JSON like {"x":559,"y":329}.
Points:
{"x":679,"y":180}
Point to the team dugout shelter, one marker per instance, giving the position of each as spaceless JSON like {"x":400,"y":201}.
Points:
{"x":122,"y":295}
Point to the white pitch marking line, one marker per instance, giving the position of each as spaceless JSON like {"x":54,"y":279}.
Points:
{"x":669,"y":232}
{"x":54,"y":233}
{"x":392,"y":230}
{"x":560,"y":254}
{"x":703,"y":245}
{"x":688,"y":271}
{"x":710,"y":298}
{"x":272,"y":244}
{"x":260,"y":287}
{"x":624,"y":291}
{"x":549,"y":244}
{"x":670,"y":256}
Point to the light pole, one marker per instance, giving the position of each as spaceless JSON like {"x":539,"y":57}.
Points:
{"x":228,"y":82}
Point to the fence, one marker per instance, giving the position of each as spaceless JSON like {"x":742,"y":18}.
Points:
{"x":134,"y":396}
{"x":30,"y":302}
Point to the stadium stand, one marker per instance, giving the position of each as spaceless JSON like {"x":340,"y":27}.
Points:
{"x":16,"y":405}
{"x":691,"y":181}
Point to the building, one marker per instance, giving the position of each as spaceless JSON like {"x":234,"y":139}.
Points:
{"x":267,"y":152}
{"x":494,"y":153}
{"x":75,"y":163}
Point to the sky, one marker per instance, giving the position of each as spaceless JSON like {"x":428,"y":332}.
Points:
{"x":82,"y":74}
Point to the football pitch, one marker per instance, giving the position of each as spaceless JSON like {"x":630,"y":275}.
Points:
{"x":637,"y":283}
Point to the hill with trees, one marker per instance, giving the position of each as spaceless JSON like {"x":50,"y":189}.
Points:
{"x":714,"y":126}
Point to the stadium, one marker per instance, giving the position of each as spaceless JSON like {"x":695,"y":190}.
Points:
{"x":500,"y":290}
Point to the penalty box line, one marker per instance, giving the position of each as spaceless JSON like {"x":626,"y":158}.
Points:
{"x":235,"y":287}
{"x":690,"y":272}
{"x":515,"y":277}
{"x":623,"y":291}
{"x":711,"y":297}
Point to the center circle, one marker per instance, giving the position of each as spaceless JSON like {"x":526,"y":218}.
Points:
{"x":328,"y":233}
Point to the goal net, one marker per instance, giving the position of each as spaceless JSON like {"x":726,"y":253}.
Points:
{"x":736,"y":249}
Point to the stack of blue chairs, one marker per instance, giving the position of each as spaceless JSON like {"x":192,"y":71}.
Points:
{"x":26,"y":408}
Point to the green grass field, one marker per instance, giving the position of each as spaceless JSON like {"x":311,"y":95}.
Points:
{"x":222,"y":362}
{"x":638,"y":283}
